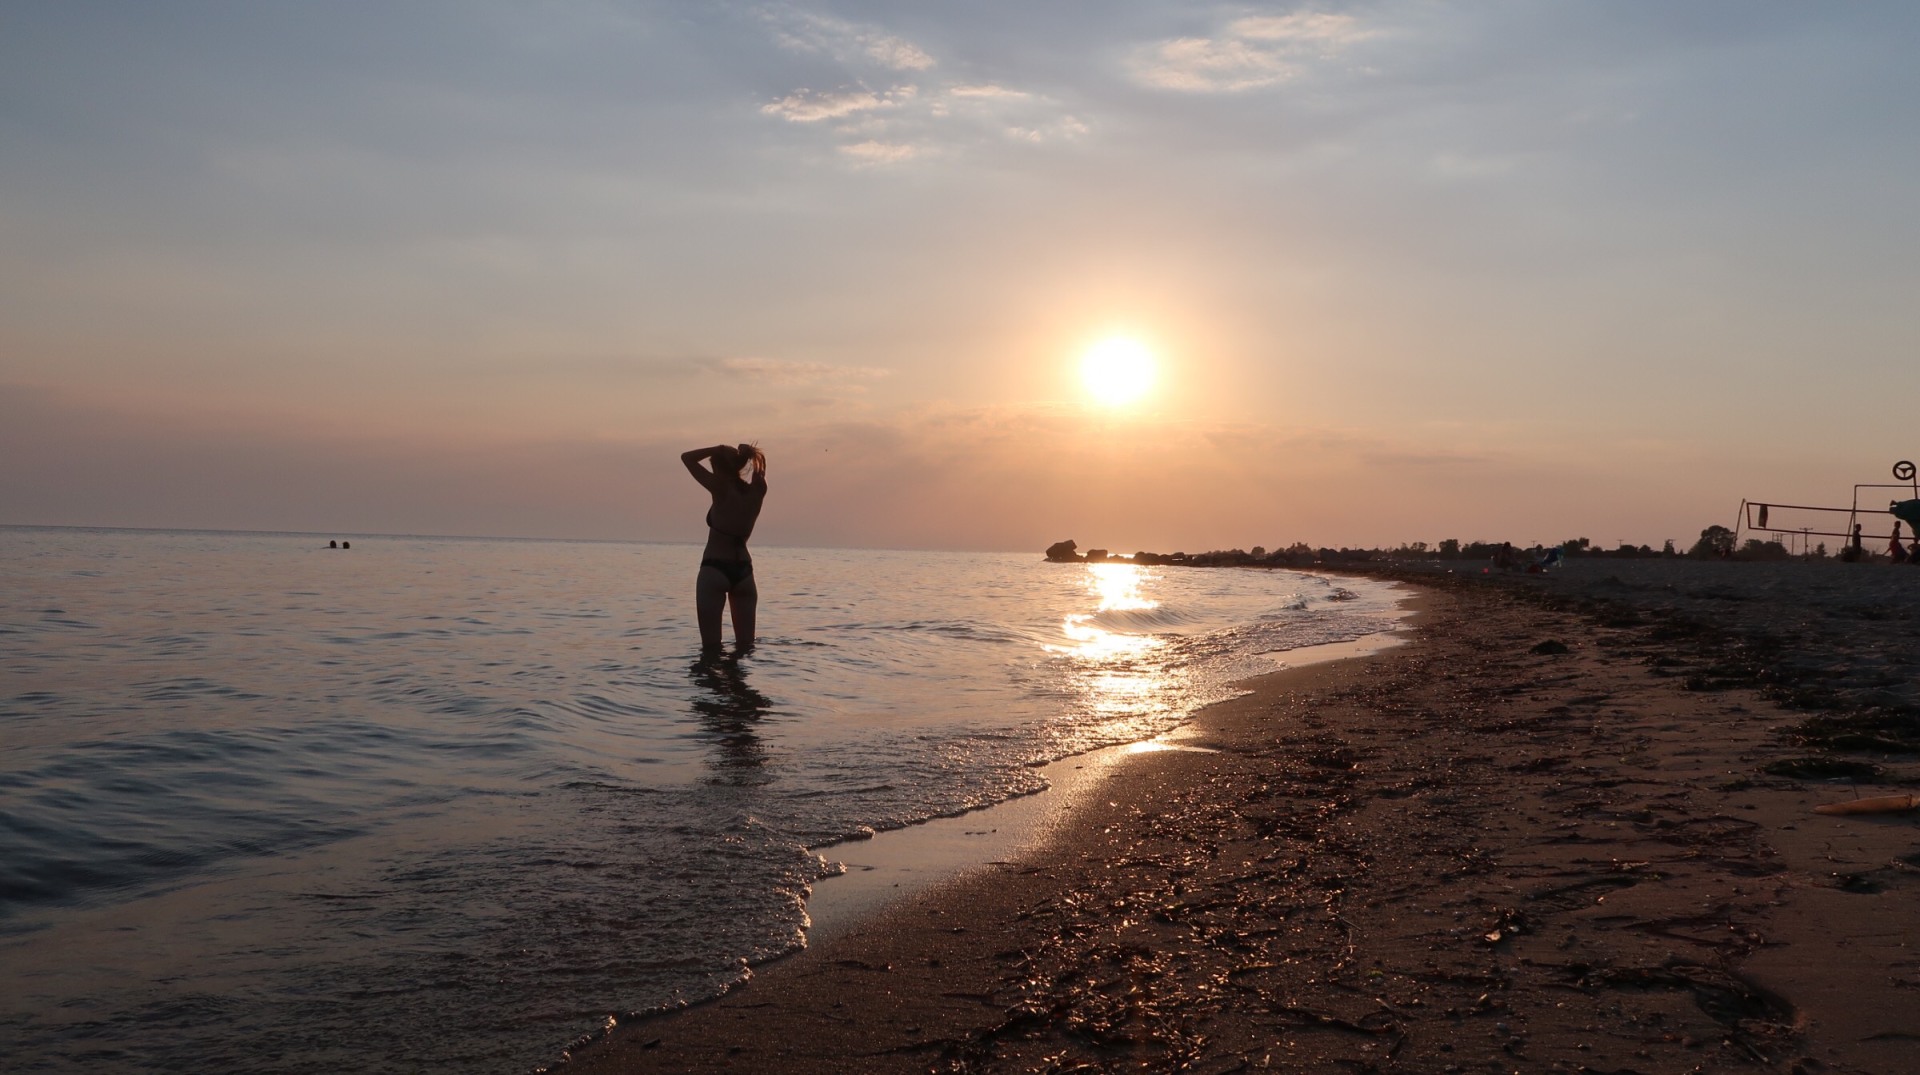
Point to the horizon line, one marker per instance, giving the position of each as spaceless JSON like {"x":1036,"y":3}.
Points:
{"x":362,"y":534}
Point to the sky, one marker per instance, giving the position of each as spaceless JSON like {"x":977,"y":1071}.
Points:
{"x":1408,"y":270}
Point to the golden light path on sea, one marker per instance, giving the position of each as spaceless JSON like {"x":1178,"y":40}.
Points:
{"x":1116,"y":683}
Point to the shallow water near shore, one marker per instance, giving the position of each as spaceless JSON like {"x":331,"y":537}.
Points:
{"x":445,"y":804}
{"x":901,"y":863}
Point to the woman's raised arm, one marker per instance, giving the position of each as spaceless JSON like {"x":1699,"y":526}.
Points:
{"x":692,"y":460}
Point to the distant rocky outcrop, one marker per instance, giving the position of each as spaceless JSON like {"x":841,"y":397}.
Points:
{"x":1067,"y":552}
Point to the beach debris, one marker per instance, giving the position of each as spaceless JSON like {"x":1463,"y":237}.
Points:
{"x":1878,"y":804}
{"x":1549,"y":647}
{"x":1814,"y":768}
{"x":1885,"y":730}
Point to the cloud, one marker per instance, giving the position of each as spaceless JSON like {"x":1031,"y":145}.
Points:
{"x":877,"y":152}
{"x":906,"y":122}
{"x":1065,"y":128}
{"x":919,"y":116}
{"x":850,"y":43}
{"x":1301,"y":28}
{"x":807,"y":106}
{"x":781,"y":371}
{"x":990,"y":91}
{"x":1249,"y":53}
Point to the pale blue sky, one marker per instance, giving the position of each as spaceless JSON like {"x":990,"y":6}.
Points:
{"x":1413,"y":270}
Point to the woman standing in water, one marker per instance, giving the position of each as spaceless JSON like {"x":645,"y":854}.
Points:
{"x":726,"y":571}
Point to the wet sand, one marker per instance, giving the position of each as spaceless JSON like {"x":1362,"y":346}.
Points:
{"x":1541,"y":837}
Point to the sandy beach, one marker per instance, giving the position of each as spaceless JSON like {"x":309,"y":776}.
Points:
{"x":1568,"y":827}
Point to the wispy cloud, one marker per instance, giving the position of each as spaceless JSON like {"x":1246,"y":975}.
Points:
{"x":917,"y":116}
{"x":989,"y":91}
{"x":907,"y":122}
{"x":786,"y":372}
{"x":1302,"y":27}
{"x":1248,"y":53}
{"x":876,"y":152}
{"x":809,"y":106}
{"x":1014,"y":114}
{"x":848,"y":42}
{"x":1065,"y":128}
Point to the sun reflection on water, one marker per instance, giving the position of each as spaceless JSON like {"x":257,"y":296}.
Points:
{"x":1122,"y":676}
{"x":1118,"y":586}
{"x":1117,"y":589}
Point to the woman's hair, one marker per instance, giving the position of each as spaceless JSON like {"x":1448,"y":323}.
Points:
{"x":751,"y":453}
{"x":732,"y":459}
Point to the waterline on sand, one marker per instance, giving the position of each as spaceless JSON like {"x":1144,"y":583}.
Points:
{"x":897,"y":864}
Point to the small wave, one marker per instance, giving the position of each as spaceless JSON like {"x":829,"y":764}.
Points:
{"x":816,"y":793}
{"x":971,"y":631}
{"x":171,"y":690}
{"x":1295,"y":603}
{"x":168,"y":644}
{"x":640,"y":790}
{"x":1140,"y":620}
{"x":601,"y":707}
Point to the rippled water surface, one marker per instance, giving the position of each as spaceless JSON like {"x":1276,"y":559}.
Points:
{"x":444,"y":804}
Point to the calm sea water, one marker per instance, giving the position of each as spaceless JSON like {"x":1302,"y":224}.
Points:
{"x":444,"y":804}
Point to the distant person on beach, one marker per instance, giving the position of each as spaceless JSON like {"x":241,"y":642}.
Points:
{"x":1853,"y":550}
{"x":726,"y":571}
{"x":1894,"y":549}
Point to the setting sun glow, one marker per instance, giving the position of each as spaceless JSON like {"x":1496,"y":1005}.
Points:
{"x":1117,"y":371}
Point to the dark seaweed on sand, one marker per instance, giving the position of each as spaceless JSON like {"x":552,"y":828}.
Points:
{"x":1845,"y":665}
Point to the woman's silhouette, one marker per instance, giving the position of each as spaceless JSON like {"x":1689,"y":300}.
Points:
{"x":726,"y":571}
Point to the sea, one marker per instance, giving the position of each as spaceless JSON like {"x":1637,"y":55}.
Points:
{"x":448,"y":804}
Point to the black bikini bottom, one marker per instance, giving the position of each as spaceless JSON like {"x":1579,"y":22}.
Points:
{"x":736,"y":571}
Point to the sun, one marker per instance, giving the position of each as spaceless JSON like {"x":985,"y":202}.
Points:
{"x":1117,"y":371}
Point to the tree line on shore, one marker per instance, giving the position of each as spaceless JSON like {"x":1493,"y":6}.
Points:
{"x":1715,"y":543}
